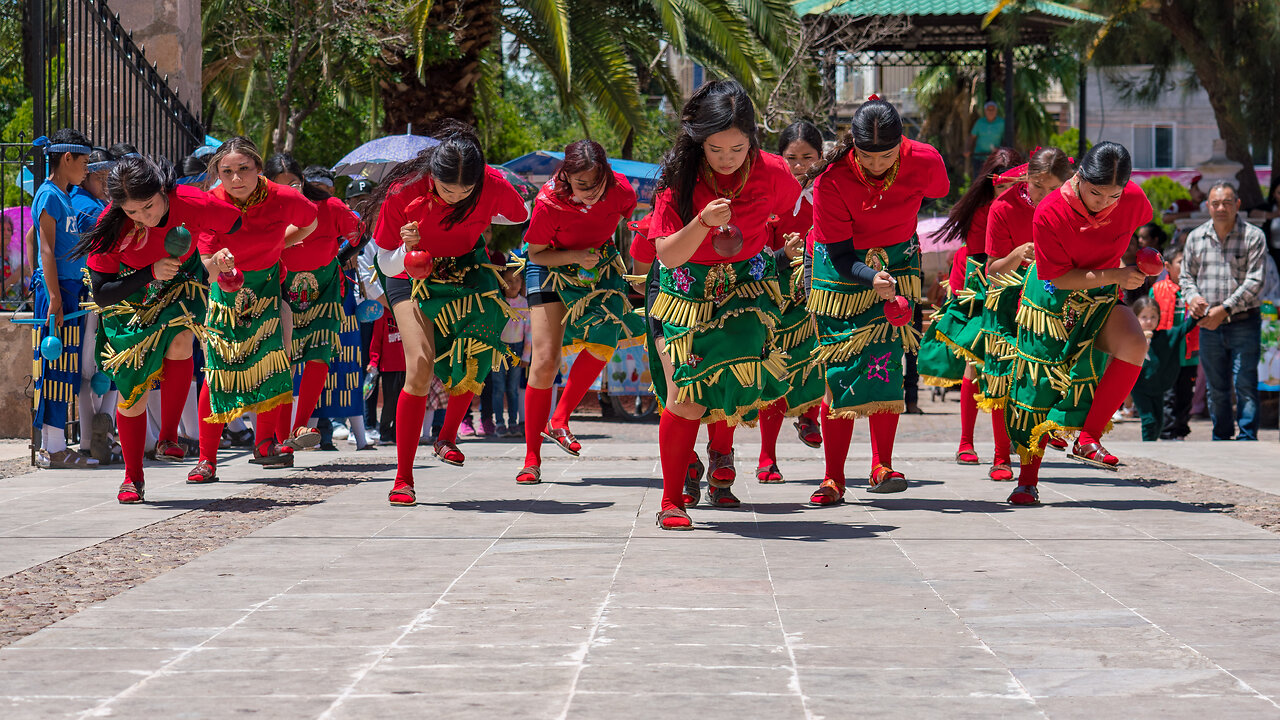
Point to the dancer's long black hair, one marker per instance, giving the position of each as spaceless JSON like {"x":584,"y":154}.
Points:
{"x":1106,"y":163}
{"x":282,"y":163}
{"x":133,"y":178}
{"x":981,"y":192}
{"x":457,"y":160}
{"x":876,"y":127}
{"x":715,"y":107}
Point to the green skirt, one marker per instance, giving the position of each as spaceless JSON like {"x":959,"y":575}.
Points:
{"x":135,"y":334}
{"x":957,"y":327}
{"x":315,"y":299}
{"x":598,"y":316}
{"x":1057,"y":368}
{"x":797,"y":337}
{"x":718,"y":325}
{"x":246,"y":366}
{"x":463,"y":301}
{"x":999,"y":339}
{"x":861,"y":353}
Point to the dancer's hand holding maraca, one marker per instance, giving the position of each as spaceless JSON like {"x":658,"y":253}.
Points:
{"x":884,"y":285}
{"x":165,"y":269}
{"x":409,"y":235}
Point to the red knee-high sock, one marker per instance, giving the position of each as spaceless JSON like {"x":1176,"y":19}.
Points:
{"x":968,"y":412}
{"x":266,"y":429}
{"x":410,"y":410}
{"x":537,"y":405}
{"x":174,"y":386}
{"x":884,"y":429}
{"x":133,"y":441}
{"x":1001,"y":434}
{"x":771,"y":419}
{"x":1116,"y":384}
{"x":1029,"y":472}
{"x":720,"y":437}
{"x":813,"y":413}
{"x":310,"y":388}
{"x":279,"y":418}
{"x":676,"y":438}
{"x":837,"y":434}
{"x":586,"y":368}
{"x":453,"y":414}
{"x":210,"y":432}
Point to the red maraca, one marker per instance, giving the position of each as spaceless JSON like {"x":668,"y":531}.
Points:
{"x":897,"y":310}
{"x":231,"y":281}
{"x":418,"y":264}
{"x":1150,"y":261}
{"x":726,"y":240}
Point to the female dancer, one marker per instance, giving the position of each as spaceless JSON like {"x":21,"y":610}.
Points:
{"x":574,"y":277}
{"x":718,"y":299}
{"x":800,"y":145}
{"x":865,"y":200}
{"x":952,"y":351}
{"x":1009,"y":252}
{"x":451,"y":322}
{"x":150,"y":301}
{"x":1069,"y":319}
{"x":313,"y":289}
{"x":247,"y":367}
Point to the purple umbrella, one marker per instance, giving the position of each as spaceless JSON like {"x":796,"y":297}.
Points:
{"x":376,"y":158}
{"x":18,"y":221}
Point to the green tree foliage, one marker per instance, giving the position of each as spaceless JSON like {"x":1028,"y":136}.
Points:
{"x":1068,"y":141}
{"x":1162,"y":192}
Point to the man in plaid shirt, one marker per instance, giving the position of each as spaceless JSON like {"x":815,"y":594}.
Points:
{"x":1222,"y":272}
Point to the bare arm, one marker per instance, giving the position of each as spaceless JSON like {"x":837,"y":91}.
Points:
{"x":49,"y":263}
{"x":294,"y":234}
{"x":1128,"y":278}
{"x":675,"y":249}
{"x":546,"y":256}
{"x":1010,"y":262}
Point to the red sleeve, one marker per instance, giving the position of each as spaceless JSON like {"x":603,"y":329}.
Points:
{"x":104,"y":262}
{"x":300,"y":211}
{"x":542,"y":226}
{"x":345,"y":222}
{"x":999,"y":241}
{"x":375,"y":345}
{"x":215,"y":217}
{"x":937,"y":185}
{"x":832,"y":221}
{"x":666,"y":219}
{"x":958,"y":265}
{"x":386,"y":231}
{"x":642,"y":249}
{"x":1052,"y":259}
{"x":975,"y":241}
{"x":506,"y":202}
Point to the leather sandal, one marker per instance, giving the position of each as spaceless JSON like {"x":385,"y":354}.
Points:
{"x":723,"y":497}
{"x":769,"y":474}
{"x":1093,"y":454}
{"x":531,"y":475}
{"x":68,"y":459}
{"x":693,"y":481}
{"x":402,"y":494}
{"x":170,"y":451}
{"x":966,"y":456}
{"x":303,"y":438}
{"x":563,"y":438}
{"x":202,"y":473}
{"x":720,"y":470}
{"x":272,"y":455}
{"x":886,"y":480}
{"x":449,"y":453}
{"x":809,"y":431}
{"x":674,"y":519}
{"x":1056,"y":443}
{"x":130,"y":492}
{"x":1000,"y":472}
{"x":1025,"y":495}
{"x":828,"y":494}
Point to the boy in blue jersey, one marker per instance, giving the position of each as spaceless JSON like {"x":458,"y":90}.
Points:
{"x":58,"y":288}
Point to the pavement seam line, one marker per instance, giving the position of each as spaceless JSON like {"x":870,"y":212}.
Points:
{"x":1136,"y":612}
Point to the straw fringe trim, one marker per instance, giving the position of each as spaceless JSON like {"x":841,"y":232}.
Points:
{"x":259,"y":407}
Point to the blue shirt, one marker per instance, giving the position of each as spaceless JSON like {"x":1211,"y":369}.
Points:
{"x":51,"y":200}
{"x":87,"y":208}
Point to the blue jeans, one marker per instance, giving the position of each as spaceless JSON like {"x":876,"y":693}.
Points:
{"x":509,"y":384}
{"x":1229,"y":355}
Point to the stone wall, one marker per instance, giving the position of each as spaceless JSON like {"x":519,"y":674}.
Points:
{"x":15,"y":379}
{"x":171,"y":33}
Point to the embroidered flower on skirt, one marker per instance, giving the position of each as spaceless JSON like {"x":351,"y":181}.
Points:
{"x":881,"y":367}
{"x":757,"y":267}
{"x":1049,"y":287}
{"x":683,"y":279}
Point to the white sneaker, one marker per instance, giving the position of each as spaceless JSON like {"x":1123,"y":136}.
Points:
{"x":372,"y":435}
{"x":340,"y":431}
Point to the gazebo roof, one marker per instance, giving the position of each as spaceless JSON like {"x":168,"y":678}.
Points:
{"x":951,"y":25}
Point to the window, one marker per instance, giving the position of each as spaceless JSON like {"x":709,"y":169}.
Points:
{"x":1152,"y":147}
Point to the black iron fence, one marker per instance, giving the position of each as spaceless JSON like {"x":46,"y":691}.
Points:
{"x":21,"y":171}
{"x":87,"y":73}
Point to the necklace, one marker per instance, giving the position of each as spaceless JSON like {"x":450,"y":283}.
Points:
{"x":256,"y":197}
{"x":878,"y":187}
{"x":709,"y":177}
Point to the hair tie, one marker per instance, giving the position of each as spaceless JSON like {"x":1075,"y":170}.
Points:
{"x":50,"y":147}
{"x":104,"y":165}
{"x":318,"y":180}
{"x":873,"y":97}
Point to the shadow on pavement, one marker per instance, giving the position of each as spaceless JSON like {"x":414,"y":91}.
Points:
{"x":539,"y":507}
{"x":797,"y":530}
{"x":612,"y":482}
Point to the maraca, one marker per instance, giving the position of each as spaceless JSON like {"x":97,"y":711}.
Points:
{"x":369,"y":311}
{"x":177,"y":242}
{"x":418,"y":264}
{"x":726,"y":240}
{"x":100,"y":383}
{"x":231,"y":281}
{"x":897,"y":310}
{"x":51,"y":348}
{"x":1150,"y":261}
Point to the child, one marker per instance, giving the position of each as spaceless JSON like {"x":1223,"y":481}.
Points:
{"x":386,"y":355}
{"x":1161,"y":367}
{"x":58,"y":289}
{"x":1177,"y":402}
{"x":508,"y":383}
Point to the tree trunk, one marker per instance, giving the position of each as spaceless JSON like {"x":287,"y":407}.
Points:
{"x":447,"y":89}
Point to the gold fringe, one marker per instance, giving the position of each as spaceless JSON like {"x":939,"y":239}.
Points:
{"x":326,"y":309}
{"x":802,"y":408}
{"x":990,"y":404}
{"x":959,"y":351}
{"x":896,"y":407}
{"x":320,"y":339}
{"x":598,"y":350}
{"x":259,"y":407}
{"x":141,"y":389}
{"x":233,"y":353}
{"x":1041,"y":321}
{"x":941,"y":382}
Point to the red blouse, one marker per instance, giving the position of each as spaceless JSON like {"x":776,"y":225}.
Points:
{"x":417,"y":201}
{"x":844,"y":207}
{"x":334,"y":223}
{"x":567,"y":225}
{"x":642,"y":248}
{"x":1065,"y":241}
{"x":259,"y":242}
{"x":1009,"y":224}
{"x":770,"y":190}
{"x":201,"y":213}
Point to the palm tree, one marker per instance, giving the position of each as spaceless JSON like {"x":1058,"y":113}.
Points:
{"x":605,"y":54}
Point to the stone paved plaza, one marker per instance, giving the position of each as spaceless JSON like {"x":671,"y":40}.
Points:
{"x":563,"y":600}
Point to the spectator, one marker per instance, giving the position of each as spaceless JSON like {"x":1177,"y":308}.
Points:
{"x":1167,"y":294}
{"x":1268,"y":213}
{"x":987,"y":135}
{"x":508,"y":384}
{"x":1185,"y":208}
{"x":386,"y":355}
{"x":1222,"y":274}
{"x":1160,"y":370}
